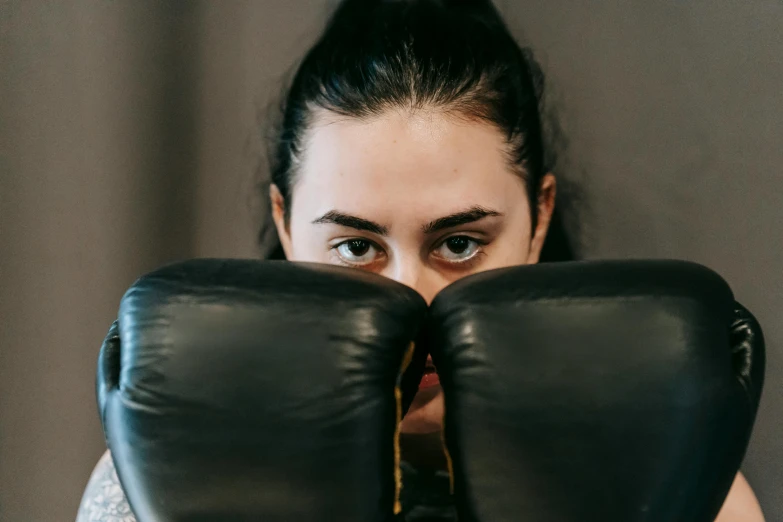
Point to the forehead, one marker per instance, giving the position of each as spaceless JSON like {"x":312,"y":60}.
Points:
{"x":428,"y":163}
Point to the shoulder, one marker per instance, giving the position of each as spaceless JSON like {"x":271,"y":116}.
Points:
{"x":741,"y":504}
{"x":103,"y":499}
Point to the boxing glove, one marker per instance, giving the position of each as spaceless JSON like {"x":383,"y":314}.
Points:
{"x":595,"y":391}
{"x":234,"y":390}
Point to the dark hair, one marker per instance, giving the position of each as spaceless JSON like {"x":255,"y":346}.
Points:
{"x":454,"y":55}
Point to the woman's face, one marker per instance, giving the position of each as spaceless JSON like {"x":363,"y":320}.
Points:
{"x":423,"y":198}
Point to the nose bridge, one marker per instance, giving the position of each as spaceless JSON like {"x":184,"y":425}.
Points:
{"x":411,"y":272}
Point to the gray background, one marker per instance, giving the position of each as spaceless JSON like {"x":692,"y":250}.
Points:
{"x":127,"y":139}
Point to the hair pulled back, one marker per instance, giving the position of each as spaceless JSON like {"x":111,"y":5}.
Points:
{"x":457,"y":56}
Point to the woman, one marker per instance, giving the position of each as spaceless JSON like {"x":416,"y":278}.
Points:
{"x":412,"y":145}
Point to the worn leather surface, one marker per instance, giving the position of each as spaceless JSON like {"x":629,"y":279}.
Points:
{"x":595,"y":391}
{"x":243,"y":390}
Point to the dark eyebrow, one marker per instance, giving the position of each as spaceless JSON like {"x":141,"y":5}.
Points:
{"x":459,"y":218}
{"x":346,"y":220}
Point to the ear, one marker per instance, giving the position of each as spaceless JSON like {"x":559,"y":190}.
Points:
{"x":546,"y":205}
{"x":277,"y":203}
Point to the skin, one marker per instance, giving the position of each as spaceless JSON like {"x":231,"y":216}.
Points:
{"x":347,"y":180}
{"x":402,"y":173}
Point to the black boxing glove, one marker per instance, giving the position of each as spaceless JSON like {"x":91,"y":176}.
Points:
{"x":237,"y":390}
{"x":595,"y":391}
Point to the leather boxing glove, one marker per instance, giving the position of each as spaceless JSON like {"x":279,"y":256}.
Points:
{"x":595,"y":391}
{"x":234,"y":390}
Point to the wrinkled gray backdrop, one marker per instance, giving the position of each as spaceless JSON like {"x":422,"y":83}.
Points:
{"x":126,"y":142}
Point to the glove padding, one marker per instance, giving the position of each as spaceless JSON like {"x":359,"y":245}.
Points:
{"x":595,"y":391}
{"x":243,"y":390}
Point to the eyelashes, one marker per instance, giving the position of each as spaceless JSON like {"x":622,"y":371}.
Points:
{"x":459,"y":251}
{"x":357,"y":251}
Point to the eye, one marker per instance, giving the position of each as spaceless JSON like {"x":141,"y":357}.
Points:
{"x":357,"y":251}
{"x":457,"y":249}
